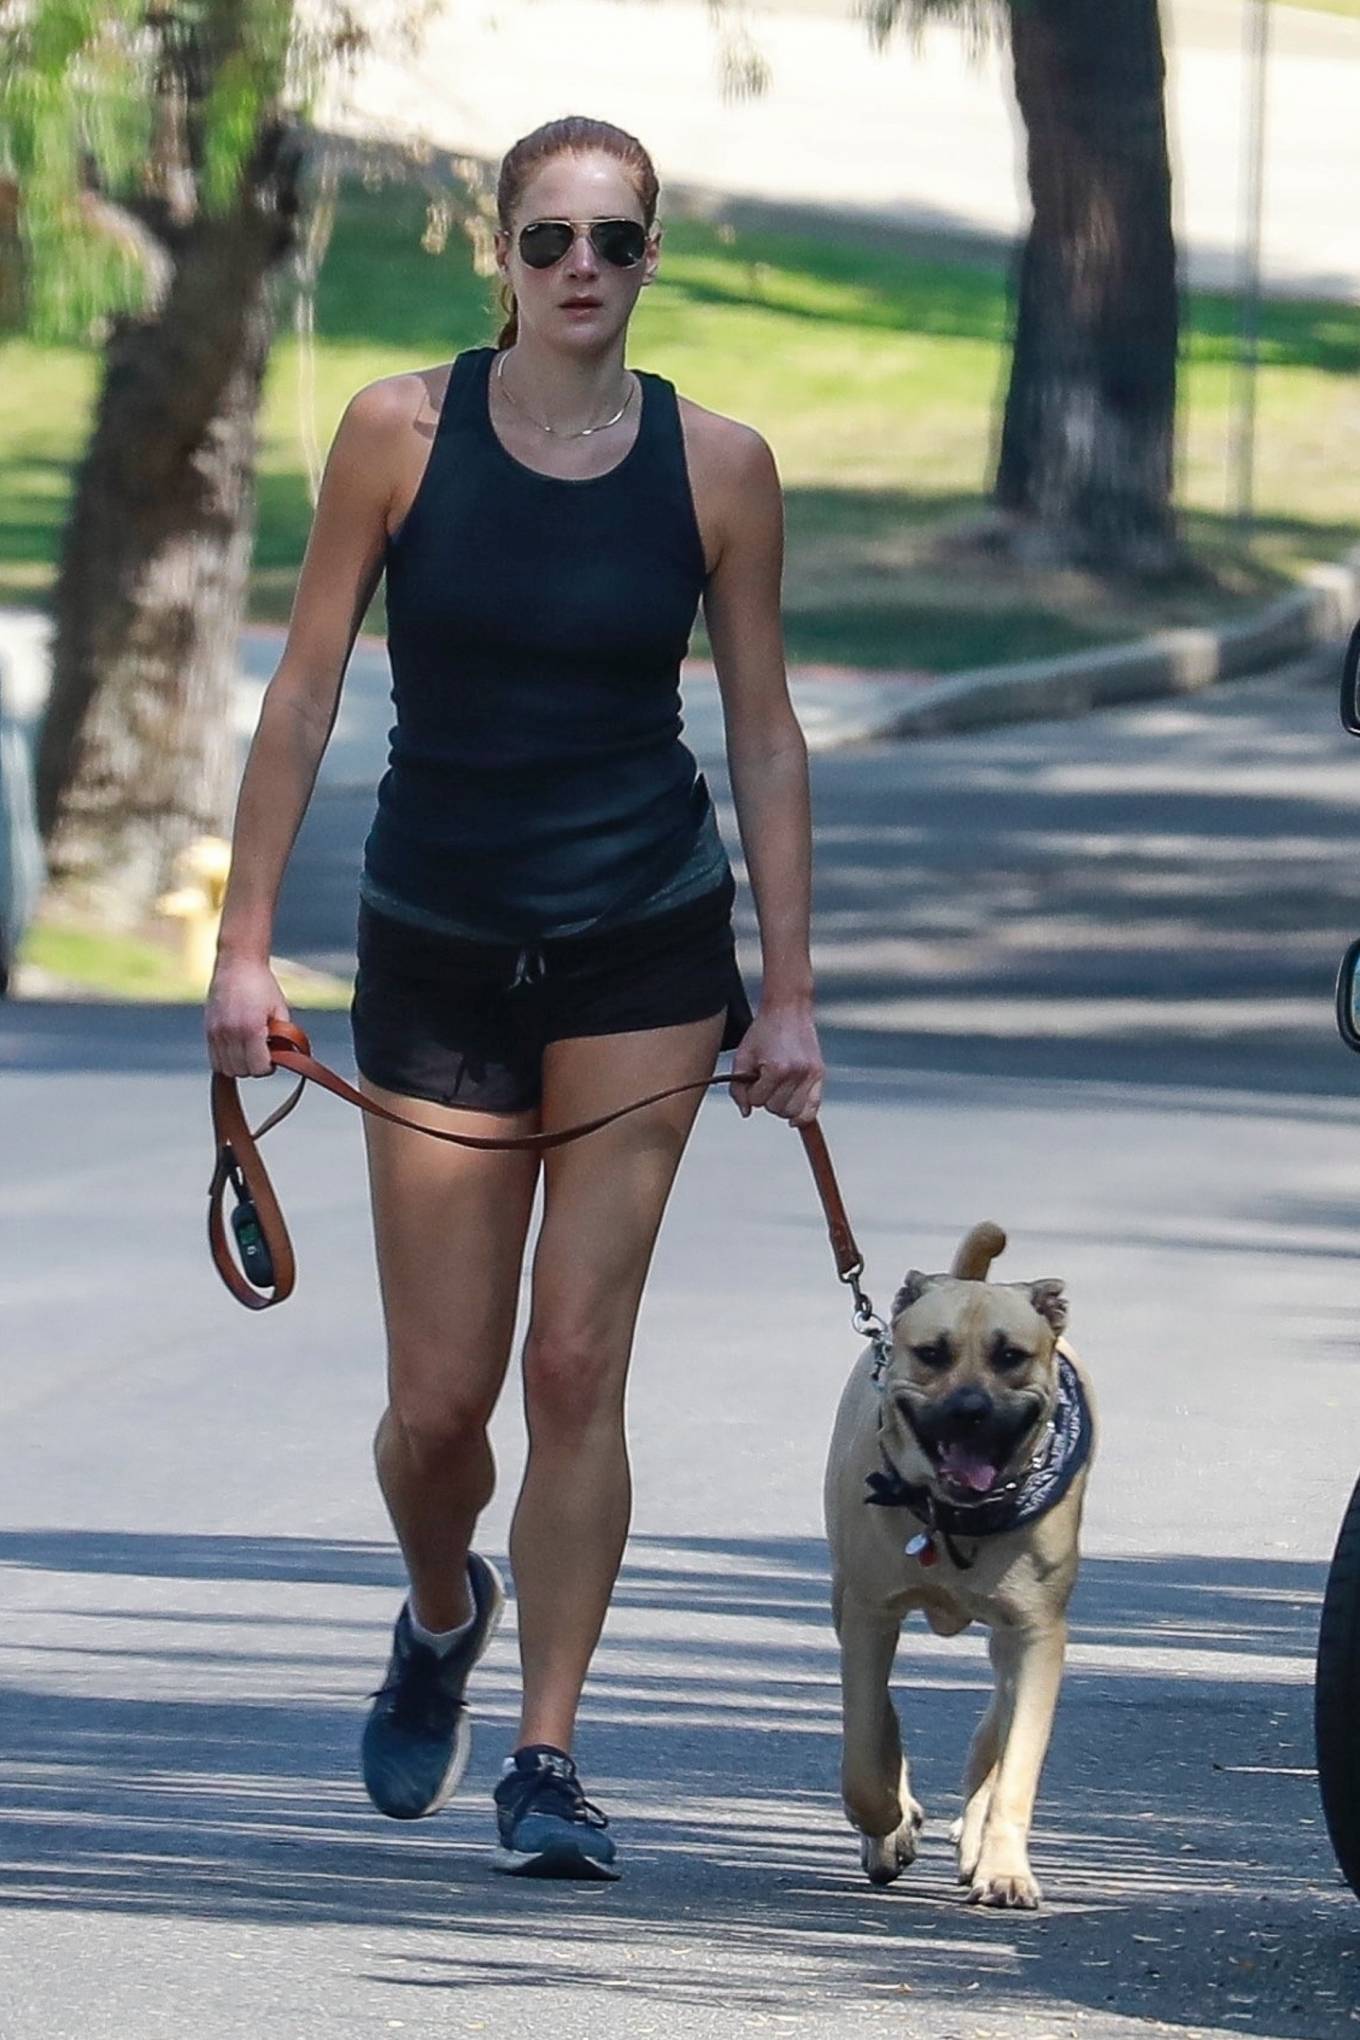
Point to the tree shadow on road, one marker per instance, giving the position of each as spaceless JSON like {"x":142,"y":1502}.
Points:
{"x":1150,"y":899}
{"x":171,"y":1765}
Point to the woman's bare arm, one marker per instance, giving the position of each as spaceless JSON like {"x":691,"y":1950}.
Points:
{"x":767,"y":761}
{"x":340,"y":571}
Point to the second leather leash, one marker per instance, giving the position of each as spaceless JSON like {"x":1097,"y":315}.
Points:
{"x":257,"y":1221}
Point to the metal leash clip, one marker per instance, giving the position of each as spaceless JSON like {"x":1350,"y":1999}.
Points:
{"x":868,"y":1323}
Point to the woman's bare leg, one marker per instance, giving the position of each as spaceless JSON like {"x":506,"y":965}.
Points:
{"x":450,"y":1226}
{"x":604,"y":1197}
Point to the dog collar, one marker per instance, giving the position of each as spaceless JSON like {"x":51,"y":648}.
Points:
{"x":1063,"y":1449}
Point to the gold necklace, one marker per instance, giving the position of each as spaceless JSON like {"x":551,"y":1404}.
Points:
{"x":556,"y":430}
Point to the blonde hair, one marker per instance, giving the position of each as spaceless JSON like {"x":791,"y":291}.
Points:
{"x":575,"y":135}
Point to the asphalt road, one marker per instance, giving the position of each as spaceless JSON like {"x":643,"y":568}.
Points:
{"x":1074,"y":977}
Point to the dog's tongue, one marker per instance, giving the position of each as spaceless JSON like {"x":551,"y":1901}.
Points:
{"x":967,"y":1468}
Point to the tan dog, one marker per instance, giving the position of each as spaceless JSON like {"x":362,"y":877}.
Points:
{"x":971,"y":1440}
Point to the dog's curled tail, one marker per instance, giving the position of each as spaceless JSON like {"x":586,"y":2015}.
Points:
{"x":978,"y":1252}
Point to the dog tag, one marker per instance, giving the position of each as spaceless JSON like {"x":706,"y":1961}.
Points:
{"x":921,"y":1546}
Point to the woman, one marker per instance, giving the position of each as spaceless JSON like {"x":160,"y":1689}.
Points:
{"x":544,"y":923}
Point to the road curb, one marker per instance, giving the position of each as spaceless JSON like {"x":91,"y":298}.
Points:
{"x":1169,"y":662}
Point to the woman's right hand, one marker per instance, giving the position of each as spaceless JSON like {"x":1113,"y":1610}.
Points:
{"x":243,"y":1001}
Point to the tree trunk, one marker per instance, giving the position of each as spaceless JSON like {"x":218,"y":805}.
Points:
{"x":137,"y":751}
{"x":11,"y":259}
{"x":1087,"y":445}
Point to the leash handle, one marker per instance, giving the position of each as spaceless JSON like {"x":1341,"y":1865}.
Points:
{"x":262,"y":1236}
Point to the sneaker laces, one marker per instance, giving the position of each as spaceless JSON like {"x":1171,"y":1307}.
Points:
{"x":419,"y":1697}
{"x":554,"y":1789}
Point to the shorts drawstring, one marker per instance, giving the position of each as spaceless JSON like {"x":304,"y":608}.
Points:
{"x":531,"y":966}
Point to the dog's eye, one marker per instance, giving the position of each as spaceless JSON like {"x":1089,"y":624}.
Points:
{"x":936,"y":1355}
{"x":1011,"y":1356}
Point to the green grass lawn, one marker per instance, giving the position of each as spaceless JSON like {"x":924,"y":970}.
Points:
{"x":874,"y":372}
{"x":148,"y":968}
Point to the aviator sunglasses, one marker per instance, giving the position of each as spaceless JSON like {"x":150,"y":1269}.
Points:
{"x":620,"y":242}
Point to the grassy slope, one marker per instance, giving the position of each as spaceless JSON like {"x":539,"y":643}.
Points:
{"x":876,"y":376}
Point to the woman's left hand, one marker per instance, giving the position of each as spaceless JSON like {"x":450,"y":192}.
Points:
{"x":781,"y":1047}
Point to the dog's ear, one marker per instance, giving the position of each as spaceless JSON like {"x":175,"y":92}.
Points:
{"x":1048,"y":1299}
{"x":916,"y":1284}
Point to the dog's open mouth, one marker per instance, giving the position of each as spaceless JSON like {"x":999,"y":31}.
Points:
{"x":965,"y":1469}
{"x":971,"y":1464}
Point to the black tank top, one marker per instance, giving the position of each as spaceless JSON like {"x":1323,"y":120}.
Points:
{"x":535,"y":629}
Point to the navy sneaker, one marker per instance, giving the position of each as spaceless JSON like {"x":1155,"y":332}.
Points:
{"x":548,"y":1828}
{"x":417,"y":1737}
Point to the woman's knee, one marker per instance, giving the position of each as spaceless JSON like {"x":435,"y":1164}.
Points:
{"x":573,"y":1378}
{"x":436,"y":1423}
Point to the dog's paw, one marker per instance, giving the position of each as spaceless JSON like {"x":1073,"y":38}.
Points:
{"x":885,"y":1857}
{"x":1014,"y":1891}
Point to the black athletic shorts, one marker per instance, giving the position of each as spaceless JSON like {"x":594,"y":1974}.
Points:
{"x":465,"y":1022}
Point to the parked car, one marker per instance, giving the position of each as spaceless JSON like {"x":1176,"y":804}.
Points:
{"x":1336,"y":1693}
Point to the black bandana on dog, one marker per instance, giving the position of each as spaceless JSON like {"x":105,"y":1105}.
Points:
{"x":1059,"y":1457}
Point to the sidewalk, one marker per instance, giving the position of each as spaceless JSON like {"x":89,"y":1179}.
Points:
{"x":922,"y":132}
{"x":836,"y":705}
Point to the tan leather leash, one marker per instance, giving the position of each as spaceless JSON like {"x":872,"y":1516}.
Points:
{"x":257,"y":1221}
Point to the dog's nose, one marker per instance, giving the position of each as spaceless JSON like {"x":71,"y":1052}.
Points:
{"x":968,"y":1408}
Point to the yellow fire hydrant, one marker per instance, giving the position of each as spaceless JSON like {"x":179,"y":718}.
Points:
{"x":202,"y":869}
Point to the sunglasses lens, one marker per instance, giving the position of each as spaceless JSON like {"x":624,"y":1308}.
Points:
{"x":621,"y":242}
{"x":544,"y":242}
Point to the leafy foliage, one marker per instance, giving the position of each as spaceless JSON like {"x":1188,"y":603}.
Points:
{"x":69,"y":115}
{"x":982,"y":20}
{"x":123,"y":121}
